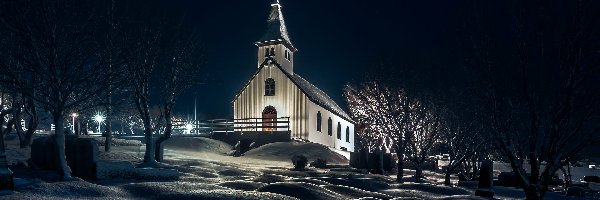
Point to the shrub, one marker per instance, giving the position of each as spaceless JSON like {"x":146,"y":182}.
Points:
{"x":299,"y":162}
{"x":319,"y":163}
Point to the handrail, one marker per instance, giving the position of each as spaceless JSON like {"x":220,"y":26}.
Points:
{"x":232,"y":125}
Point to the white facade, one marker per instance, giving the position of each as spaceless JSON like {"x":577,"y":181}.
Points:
{"x":293,"y":97}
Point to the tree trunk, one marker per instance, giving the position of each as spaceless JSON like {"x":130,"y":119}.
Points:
{"x":447,"y":176}
{"x":32,"y":124}
{"x":149,"y":157}
{"x":418,"y":172}
{"x":25,"y":140}
{"x":532,"y":193}
{"x":166,"y":135}
{"x":109,"y":116}
{"x":60,"y":144}
{"x":400,"y":166}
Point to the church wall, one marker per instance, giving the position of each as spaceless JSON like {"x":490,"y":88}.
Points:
{"x":322,"y":136}
{"x":289,"y":100}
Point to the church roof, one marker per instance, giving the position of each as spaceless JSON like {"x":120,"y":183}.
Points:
{"x":276,"y":29}
{"x":318,"y":96}
{"x":313,"y":93}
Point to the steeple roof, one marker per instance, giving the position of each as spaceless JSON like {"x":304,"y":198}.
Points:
{"x":276,"y":30}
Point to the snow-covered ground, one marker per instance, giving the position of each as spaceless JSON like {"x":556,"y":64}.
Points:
{"x":202,"y":170}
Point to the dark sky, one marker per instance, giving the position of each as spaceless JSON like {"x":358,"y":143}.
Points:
{"x":338,"y":41}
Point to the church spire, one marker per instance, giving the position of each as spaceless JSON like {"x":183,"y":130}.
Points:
{"x":276,"y":30}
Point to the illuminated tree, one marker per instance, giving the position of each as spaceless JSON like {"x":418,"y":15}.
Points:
{"x":391,"y":118}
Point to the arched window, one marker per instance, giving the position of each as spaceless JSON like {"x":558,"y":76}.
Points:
{"x":269,"y":87}
{"x":319,"y":121}
{"x":272,"y":51}
{"x":267,"y":52}
{"x":286,"y":55}
{"x":329,"y":127}
{"x":339,"y":131}
{"x":347,"y":134}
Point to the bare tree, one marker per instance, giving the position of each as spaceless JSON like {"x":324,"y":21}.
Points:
{"x":395,"y":118}
{"x":463,"y":139}
{"x":542,"y":98}
{"x":169,"y":61}
{"x":56,"y":42}
{"x":423,"y":129}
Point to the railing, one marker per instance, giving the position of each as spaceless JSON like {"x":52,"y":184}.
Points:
{"x":209,"y":127}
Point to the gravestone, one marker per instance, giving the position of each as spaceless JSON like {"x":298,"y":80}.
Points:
{"x":486,"y":180}
{"x":81,"y":155}
{"x":364,"y":159}
{"x":388,"y":162}
{"x":44,"y":153}
{"x":86,"y":158}
{"x":6,"y":175}
{"x":376,"y":162}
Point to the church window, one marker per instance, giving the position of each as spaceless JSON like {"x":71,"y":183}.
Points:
{"x":347,"y":134}
{"x":270,"y":87}
{"x":266,"y":52}
{"x":339,"y":131}
{"x":319,"y":121}
{"x":272,"y":51}
{"x":329,"y":127}
{"x":287,"y":55}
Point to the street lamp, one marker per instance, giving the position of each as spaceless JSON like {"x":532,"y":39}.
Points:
{"x":189,"y":128}
{"x":99,"y":119}
{"x":73,"y":125}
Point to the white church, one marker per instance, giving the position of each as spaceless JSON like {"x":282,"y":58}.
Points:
{"x":275,"y":91}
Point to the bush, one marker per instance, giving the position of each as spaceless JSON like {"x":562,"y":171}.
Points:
{"x":319,"y":163}
{"x":299,"y":162}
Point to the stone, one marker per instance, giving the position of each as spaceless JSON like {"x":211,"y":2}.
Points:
{"x":486,"y":180}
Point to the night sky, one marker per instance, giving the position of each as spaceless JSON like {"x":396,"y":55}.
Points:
{"x":338,"y":42}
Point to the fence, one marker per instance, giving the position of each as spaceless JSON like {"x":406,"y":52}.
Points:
{"x":209,"y":127}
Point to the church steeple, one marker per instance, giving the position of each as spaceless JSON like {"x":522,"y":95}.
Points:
{"x":276,"y":29}
{"x":276,"y":43}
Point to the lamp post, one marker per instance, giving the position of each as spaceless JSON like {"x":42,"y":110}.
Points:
{"x":99,"y":119}
{"x":73,"y":115}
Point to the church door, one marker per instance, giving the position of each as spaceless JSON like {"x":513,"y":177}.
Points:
{"x":269,"y":116}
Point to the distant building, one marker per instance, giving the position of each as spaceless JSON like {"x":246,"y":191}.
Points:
{"x":275,"y":91}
